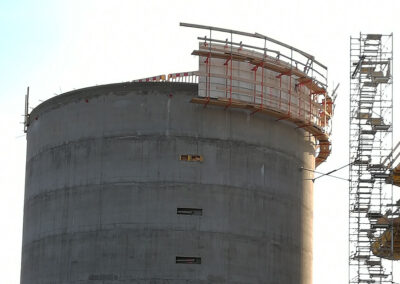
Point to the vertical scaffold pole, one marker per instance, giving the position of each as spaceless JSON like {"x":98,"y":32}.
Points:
{"x":231,"y":73}
{"x":26,"y":112}
{"x":208,"y":68}
{"x":255,"y":83}
{"x":262,"y":74}
{"x":290,"y":82}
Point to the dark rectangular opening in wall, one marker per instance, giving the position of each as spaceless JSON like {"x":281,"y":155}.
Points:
{"x":197,"y":158}
{"x":184,"y":158}
{"x":189,"y":211}
{"x":191,"y":158}
{"x":188,"y":260}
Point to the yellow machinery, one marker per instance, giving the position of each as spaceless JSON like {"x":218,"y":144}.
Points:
{"x":396,"y":175}
{"x":382,"y":246}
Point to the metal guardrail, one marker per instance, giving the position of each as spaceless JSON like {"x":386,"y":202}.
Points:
{"x":277,"y":79}
{"x":182,"y":77}
{"x":272,"y":47}
{"x":159,"y":78}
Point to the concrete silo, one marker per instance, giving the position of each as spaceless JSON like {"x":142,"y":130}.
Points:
{"x":158,"y":182}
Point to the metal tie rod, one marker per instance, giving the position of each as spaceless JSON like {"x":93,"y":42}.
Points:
{"x":313,"y":179}
{"x":328,"y":173}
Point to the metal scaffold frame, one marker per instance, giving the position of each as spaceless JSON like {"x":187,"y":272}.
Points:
{"x":272,"y":78}
{"x":370,"y":152}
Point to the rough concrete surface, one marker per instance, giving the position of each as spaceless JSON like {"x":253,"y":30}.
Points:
{"x":104,"y":181}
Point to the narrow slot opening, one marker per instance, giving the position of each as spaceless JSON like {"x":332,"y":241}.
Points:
{"x":191,"y":158}
{"x":188,"y":260}
{"x":184,"y":158}
{"x":197,"y":158}
{"x":189,"y":211}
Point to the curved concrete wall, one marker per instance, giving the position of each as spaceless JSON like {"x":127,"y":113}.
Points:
{"x":104,"y":181}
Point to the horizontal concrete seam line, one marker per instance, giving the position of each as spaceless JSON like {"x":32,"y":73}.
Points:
{"x":167,"y":184}
{"x":196,"y":279}
{"x":221,"y":235}
{"x":179,"y":279}
{"x":105,"y":90}
{"x":166,"y":138}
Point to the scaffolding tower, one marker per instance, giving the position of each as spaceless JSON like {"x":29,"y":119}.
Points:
{"x":371,"y":144}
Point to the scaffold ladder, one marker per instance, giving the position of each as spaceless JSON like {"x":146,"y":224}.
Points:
{"x":370,"y":142}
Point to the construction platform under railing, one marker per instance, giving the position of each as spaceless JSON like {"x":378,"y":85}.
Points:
{"x":273,"y":78}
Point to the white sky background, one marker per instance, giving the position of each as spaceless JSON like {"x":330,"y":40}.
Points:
{"x":57,"y":46}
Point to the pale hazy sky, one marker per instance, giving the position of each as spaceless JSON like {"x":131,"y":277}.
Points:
{"x":56,"y":46}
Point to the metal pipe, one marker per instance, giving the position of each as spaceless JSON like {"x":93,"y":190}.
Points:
{"x":255,"y":35}
{"x":270,"y":50}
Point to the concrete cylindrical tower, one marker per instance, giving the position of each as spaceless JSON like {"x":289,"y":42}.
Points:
{"x":113,"y":197}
